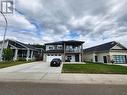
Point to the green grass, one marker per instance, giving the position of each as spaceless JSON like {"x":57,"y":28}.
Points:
{"x":93,"y":68}
{"x":11,"y":63}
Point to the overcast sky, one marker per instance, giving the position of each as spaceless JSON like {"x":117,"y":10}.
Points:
{"x":92,"y":21}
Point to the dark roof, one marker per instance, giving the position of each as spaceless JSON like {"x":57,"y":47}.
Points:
{"x":10,"y":42}
{"x":102,"y":47}
{"x":55,"y":43}
{"x":19,"y":44}
{"x":26,"y":45}
{"x":67,"y":42}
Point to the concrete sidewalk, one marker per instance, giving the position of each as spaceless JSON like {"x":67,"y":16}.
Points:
{"x":65,"y":78}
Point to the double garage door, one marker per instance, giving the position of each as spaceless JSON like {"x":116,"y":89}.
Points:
{"x":120,"y":58}
{"x":49,"y":57}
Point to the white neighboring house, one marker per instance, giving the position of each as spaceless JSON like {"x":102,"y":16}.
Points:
{"x":21,"y":50}
{"x":107,"y":52}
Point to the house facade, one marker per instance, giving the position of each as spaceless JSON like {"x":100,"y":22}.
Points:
{"x":21,"y":50}
{"x":106,"y":53}
{"x":67,"y":51}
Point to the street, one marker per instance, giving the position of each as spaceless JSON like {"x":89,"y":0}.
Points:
{"x":15,"y":88}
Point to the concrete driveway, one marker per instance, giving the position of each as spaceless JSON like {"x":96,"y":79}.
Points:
{"x":30,"y":71}
{"x":34,"y":67}
{"x":121,"y":64}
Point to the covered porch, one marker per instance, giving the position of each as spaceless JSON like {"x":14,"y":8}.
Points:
{"x":73,"y":57}
{"x":23,"y":54}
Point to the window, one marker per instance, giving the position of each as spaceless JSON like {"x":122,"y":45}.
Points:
{"x":69,"y":48}
{"x":50,"y":48}
{"x":119,"y":58}
{"x":69,"y":57}
{"x":59,"y":46}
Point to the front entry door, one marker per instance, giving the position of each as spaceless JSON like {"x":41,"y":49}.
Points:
{"x":76,"y":57}
{"x":105,"y":59}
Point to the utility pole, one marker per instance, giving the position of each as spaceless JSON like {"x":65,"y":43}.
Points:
{"x":2,"y":47}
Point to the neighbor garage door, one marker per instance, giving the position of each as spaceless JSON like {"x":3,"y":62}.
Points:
{"x":120,"y":58}
{"x":50,"y":57}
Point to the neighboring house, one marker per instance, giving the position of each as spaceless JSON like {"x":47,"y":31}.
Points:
{"x":21,"y":50}
{"x":107,"y":52}
{"x":67,"y":51}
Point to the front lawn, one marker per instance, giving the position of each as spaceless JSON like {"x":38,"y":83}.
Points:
{"x":92,"y":68}
{"x":11,"y":63}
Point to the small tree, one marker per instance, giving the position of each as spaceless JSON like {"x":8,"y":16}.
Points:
{"x":7,"y":54}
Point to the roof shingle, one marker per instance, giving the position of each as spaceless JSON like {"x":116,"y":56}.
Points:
{"x":102,"y":47}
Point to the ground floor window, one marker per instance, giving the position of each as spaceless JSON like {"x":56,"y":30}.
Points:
{"x":96,"y":58}
{"x":68,"y":58}
{"x":119,"y":58}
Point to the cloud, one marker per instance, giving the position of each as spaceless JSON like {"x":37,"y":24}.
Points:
{"x":40,"y":21}
{"x":18,"y":21}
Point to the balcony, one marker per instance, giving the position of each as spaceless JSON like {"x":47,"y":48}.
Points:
{"x":73,"y":49}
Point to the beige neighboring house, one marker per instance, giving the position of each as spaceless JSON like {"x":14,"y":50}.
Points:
{"x":107,"y":52}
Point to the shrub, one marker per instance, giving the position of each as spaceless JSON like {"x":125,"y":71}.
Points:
{"x":21,"y":59}
{"x":7,"y":54}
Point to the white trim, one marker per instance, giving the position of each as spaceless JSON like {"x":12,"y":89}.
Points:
{"x":16,"y":54}
{"x":120,"y":45}
{"x":31,"y":54}
{"x":13,"y":46}
{"x":28,"y":54}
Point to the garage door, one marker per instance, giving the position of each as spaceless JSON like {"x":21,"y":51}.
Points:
{"x":50,"y":57}
{"x":119,"y":58}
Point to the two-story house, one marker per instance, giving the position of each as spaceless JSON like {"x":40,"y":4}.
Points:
{"x":67,"y":51}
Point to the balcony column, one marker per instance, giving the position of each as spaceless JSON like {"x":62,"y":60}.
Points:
{"x":80,"y":58}
{"x":31,"y":55}
{"x":94,"y":57}
{"x":16,"y":54}
{"x":28,"y":54}
{"x":82,"y":53}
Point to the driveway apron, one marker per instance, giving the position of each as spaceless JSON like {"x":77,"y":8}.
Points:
{"x":43,"y":67}
{"x":35,"y":70}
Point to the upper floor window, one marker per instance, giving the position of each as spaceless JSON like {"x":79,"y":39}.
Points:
{"x":69,"y":47}
{"x":59,"y":46}
{"x":50,"y":48}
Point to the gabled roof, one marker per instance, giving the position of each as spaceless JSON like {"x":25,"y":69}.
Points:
{"x":18,"y":44}
{"x":62,"y":42}
{"x":103,"y":47}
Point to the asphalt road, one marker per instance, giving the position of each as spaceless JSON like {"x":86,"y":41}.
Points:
{"x":13,"y":88}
